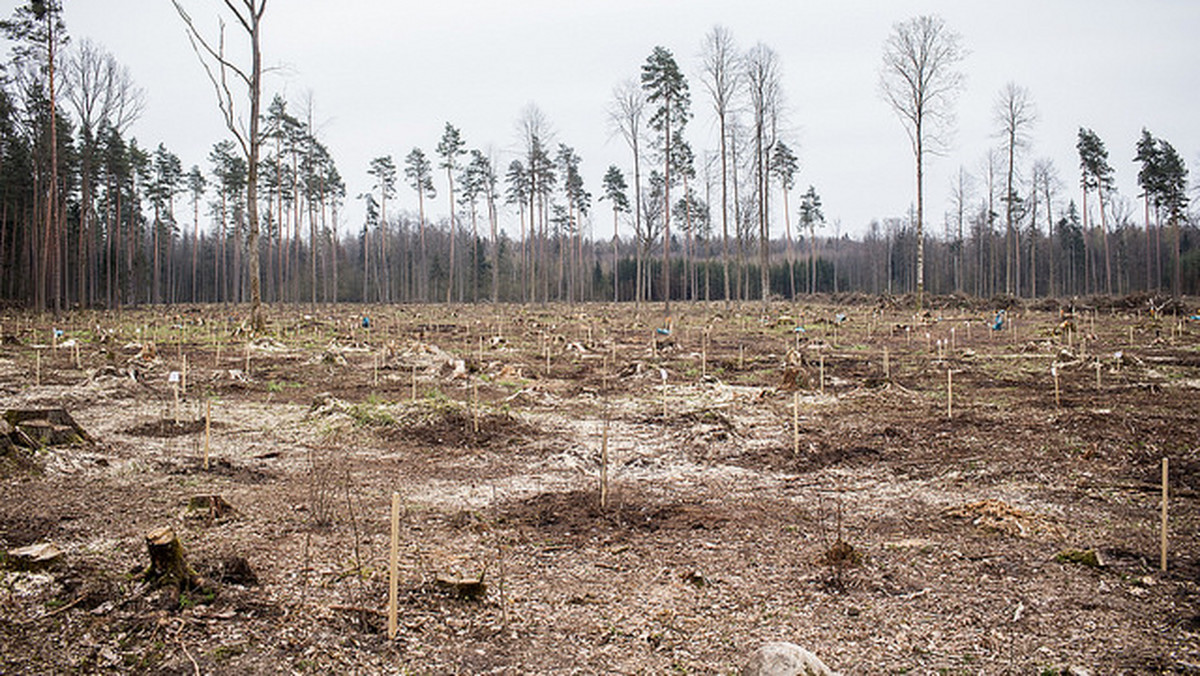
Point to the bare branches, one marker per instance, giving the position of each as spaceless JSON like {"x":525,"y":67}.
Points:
{"x":100,"y":89}
{"x":919,"y":80}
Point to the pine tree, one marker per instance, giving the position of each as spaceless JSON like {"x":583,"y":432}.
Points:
{"x":419,"y":172}
{"x":450,"y":148}
{"x":614,"y":191}
{"x":1097,"y":175}
{"x":667,"y":89}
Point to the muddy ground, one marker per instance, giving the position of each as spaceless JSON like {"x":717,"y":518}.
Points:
{"x":797,"y":476}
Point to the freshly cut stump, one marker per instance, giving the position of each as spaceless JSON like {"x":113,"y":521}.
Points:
{"x":168,"y":565}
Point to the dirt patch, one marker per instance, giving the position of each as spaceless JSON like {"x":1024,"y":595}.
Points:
{"x":166,"y":428}
{"x":578,"y":514}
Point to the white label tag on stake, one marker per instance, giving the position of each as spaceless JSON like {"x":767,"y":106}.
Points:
{"x":173,"y":377}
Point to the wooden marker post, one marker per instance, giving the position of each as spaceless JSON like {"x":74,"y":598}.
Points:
{"x":741,"y":357}
{"x":821,"y":359}
{"x":393,"y":568}
{"x":795,"y":424}
{"x":952,"y":343}
{"x":604,"y":464}
{"x":183,"y":376}
{"x":174,"y":379}
{"x":1097,"y":373}
{"x":1054,"y":372}
{"x":949,"y":393}
{"x":475,"y":405}
{"x":207,"y":429}
{"x":37,"y":371}
{"x":887,"y":369}
{"x":1163,"y":558}
{"x":414,"y":383}
{"x":247,"y":360}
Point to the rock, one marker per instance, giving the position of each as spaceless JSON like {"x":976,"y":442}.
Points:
{"x":784,"y":659}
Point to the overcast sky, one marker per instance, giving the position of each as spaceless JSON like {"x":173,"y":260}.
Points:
{"x":385,"y":76}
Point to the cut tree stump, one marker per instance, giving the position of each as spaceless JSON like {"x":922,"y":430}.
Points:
{"x":168,"y":565}
{"x":472,"y":588}
{"x":212,"y":507}
{"x":35,"y":428}
{"x":34,"y":557}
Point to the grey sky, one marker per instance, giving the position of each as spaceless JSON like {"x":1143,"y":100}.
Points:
{"x":385,"y":76}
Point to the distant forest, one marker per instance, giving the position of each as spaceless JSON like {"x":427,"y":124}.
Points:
{"x":91,"y":217}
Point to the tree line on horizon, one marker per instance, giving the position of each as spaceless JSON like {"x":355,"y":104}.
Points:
{"x":91,"y":217}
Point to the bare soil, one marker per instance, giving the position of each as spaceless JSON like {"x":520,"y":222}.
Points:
{"x":772,"y":475}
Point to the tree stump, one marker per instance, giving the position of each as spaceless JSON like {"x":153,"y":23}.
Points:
{"x":168,"y":565}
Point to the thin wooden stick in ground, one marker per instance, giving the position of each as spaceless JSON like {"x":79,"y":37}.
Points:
{"x":37,"y":373}
{"x":822,"y":371}
{"x":604,"y":463}
{"x":207,"y":429}
{"x":795,"y":424}
{"x":887,"y":369}
{"x":393,"y":568}
{"x":1163,"y":558}
{"x":1054,"y":373}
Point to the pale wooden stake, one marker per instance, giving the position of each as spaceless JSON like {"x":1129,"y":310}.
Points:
{"x":183,"y":376}
{"x":1131,"y":336}
{"x":1163,"y":557}
{"x":604,"y":464}
{"x":953,"y":344}
{"x":207,"y":429}
{"x":1097,"y":374}
{"x":704,"y":354}
{"x":414,"y":383}
{"x":393,"y":567}
{"x":741,"y":357}
{"x":247,"y":360}
{"x":887,"y":369}
{"x":78,"y":361}
{"x":375,"y":371}
{"x":795,"y":424}
{"x":37,"y":377}
{"x":1054,"y":372}
{"x":175,"y":389}
{"x":821,"y":357}
{"x":475,"y":405}
{"x":949,"y":393}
